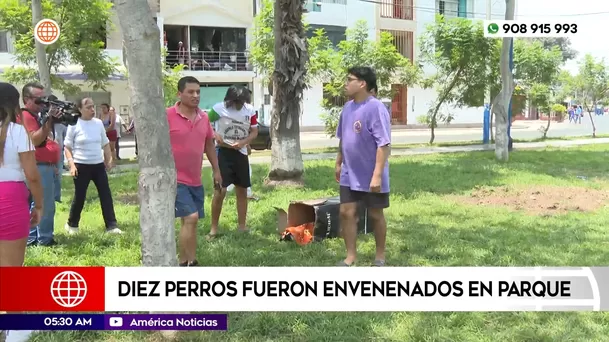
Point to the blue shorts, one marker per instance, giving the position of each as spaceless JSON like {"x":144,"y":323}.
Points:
{"x":190,"y":200}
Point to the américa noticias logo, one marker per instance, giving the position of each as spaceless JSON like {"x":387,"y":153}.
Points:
{"x":68,"y":289}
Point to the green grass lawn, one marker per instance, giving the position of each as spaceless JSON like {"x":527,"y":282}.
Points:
{"x":428,"y":226}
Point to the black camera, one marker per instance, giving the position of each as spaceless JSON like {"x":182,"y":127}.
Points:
{"x":69,"y":114}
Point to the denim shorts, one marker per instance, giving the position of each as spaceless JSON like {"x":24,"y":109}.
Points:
{"x":190,"y":200}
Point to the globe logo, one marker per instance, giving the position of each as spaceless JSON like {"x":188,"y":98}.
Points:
{"x":46,"y":31}
{"x":68,"y":289}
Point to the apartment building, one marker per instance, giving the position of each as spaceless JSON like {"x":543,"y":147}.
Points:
{"x":419,"y":100}
{"x":208,"y":36}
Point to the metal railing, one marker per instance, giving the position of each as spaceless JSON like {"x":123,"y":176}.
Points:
{"x":210,"y":60}
{"x":397,"y":9}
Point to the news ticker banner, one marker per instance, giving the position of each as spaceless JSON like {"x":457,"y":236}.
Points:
{"x":536,"y":28}
{"x":113,"y":322}
{"x":329,"y":289}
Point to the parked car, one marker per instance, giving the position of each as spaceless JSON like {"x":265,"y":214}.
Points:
{"x":263,"y":140}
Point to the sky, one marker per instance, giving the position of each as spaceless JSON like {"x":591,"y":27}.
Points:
{"x":592,"y":28}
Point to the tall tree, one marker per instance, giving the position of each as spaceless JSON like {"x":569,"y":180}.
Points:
{"x":157,"y":180}
{"x":591,"y":85}
{"x":562,"y":43}
{"x":461,"y":75}
{"x":289,"y":83}
{"x":41,"y":56}
{"x":83,"y":25}
{"x":358,"y":49}
{"x":501,"y":102}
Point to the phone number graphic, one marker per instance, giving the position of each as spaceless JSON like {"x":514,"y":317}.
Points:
{"x":529,"y":29}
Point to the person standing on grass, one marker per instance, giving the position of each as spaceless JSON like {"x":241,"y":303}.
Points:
{"x":47,"y":157}
{"x":17,"y":166}
{"x":362,"y":168}
{"x":87,"y":150}
{"x":118,"y":126}
{"x":237,"y":127}
{"x":191,"y":135}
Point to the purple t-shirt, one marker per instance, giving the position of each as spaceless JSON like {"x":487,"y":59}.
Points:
{"x":363,"y":128}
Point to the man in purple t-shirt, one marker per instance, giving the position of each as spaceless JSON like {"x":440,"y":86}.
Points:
{"x":362,"y":168}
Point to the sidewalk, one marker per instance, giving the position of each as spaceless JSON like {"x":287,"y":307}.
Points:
{"x":417,"y":151}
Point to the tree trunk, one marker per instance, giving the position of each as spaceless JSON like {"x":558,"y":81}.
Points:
{"x":545,"y":131}
{"x":289,"y":83}
{"x":593,"y":125}
{"x":502,"y":100}
{"x":41,"y":55}
{"x":157,"y":182}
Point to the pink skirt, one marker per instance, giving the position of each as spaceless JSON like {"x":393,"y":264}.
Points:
{"x":15,"y":211}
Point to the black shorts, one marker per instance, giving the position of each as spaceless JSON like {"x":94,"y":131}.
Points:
{"x":234,"y":168}
{"x":371,"y":200}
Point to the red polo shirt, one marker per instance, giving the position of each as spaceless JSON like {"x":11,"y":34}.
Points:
{"x":188,"y":143}
{"x":50,"y":152}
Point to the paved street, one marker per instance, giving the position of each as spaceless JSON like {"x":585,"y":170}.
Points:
{"x":521,"y":130}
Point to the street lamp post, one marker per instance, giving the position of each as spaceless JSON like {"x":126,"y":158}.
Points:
{"x":509,"y":129}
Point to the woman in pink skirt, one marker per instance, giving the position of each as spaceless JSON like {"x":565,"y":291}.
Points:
{"x":17,"y":166}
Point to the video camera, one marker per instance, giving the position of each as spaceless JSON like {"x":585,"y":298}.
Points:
{"x":69,"y":112}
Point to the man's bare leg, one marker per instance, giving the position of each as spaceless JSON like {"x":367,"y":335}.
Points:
{"x":377,"y":216}
{"x":188,"y":238}
{"x":348,"y":227}
{"x":216,"y":210}
{"x":241,"y":194}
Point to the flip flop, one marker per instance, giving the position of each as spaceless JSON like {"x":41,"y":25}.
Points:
{"x":379,"y":263}
{"x":344,"y":264}
{"x":211,"y":237}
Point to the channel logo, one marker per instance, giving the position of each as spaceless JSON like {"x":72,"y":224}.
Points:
{"x":116,"y":322}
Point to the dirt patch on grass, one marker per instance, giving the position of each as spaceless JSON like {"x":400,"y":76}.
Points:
{"x":130,"y":199}
{"x":539,"y":200}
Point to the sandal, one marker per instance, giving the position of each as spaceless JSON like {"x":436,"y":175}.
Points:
{"x":211,"y":237}
{"x":379,"y":263}
{"x":344,"y":264}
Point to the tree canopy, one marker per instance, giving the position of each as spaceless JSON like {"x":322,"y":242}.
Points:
{"x":83,"y":25}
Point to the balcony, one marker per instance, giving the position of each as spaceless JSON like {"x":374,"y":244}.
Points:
{"x":397,"y":9}
{"x":209,"y":60}
{"x":202,"y":48}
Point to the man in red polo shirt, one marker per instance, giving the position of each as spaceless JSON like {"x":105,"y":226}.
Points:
{"x":191,"y":135}
{"x":47,"y":157}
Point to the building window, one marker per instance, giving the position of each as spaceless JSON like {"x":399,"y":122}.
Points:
{"x":452,"y":8}
{"x":335,"y":34}
{"x":313,"y":6}
{"x":403,"y":42}
{"x":397,"y":9}
{"x":3,"y":42}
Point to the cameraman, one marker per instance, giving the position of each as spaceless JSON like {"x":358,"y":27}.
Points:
{"x":47,"y":157}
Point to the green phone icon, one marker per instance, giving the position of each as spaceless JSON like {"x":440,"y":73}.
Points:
{"x":493,"y":28}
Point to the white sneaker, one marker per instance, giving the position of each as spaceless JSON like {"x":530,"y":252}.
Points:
{"x":114,"y":231}
{"x":71,"y":230}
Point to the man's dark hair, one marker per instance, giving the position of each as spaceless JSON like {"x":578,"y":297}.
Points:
{"x":237,"y":95}
{"x":26,"y":92}
{"x":365,"y":74}
{"x":185,"y":80}
{"x":105,"y":105}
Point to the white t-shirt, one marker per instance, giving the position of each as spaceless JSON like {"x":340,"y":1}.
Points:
{"x":17,"y":141}
{"x":233,"y":125}
{"x":118,"y":125}
{"x":86,"y":139}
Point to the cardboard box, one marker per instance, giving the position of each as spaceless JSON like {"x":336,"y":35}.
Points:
{"x":324,"y":212}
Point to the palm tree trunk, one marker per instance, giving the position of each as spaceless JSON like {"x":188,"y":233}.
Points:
{"x":289,"y":83}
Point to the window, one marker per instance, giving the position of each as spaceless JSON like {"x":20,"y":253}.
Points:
{"x":403,"y":42}
{"x":452,"y":8}
{"x":3,"y":42}
{"x":397,"y":9}
{"x":313,"y":6}
{"x":335,"y":34}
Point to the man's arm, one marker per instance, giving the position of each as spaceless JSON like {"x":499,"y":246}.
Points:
{"x":253,"y":130}
{"x":380,"y":128}
{"x":38,"y":135}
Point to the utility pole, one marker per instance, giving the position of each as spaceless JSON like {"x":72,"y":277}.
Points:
{"x":41,"y":55}
{"x":487,"y":98}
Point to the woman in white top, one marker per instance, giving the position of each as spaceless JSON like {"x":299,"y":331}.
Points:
{"x":17,"y":166}
{"x":88,"y":153}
